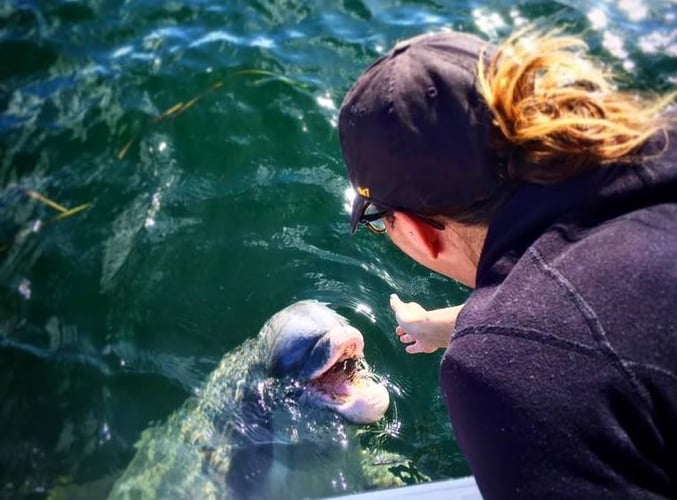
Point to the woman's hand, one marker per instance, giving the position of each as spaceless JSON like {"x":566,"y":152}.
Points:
{"x":424,"y":331}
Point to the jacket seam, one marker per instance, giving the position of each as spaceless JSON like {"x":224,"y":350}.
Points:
{"x":653,"y":368}
{"x":541,"y":337}
{"x":593,"y":322}
{"x":527,"y":334}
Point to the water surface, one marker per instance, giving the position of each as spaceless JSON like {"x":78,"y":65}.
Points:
{"x":203,"y":220}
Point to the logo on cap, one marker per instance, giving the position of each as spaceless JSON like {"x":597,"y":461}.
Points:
{"x":363,"y":191}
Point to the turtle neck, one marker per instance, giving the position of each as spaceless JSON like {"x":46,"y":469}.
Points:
{"x":585,"y":200}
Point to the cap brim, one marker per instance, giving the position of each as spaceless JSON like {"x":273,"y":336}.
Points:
{"x":358,"y":208}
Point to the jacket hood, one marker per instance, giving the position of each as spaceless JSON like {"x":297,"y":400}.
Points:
{"x":586,"y":200}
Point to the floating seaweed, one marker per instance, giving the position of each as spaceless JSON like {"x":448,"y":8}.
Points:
{"x":64,"y":212}
{"x":167,"y":114}
{"x":180,"y":107}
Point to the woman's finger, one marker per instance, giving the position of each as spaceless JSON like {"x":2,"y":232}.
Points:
{"x":406,"y":339}
{"x":413,"y":349}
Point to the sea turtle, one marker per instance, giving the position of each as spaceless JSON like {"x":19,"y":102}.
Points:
{"x":270,"y":421}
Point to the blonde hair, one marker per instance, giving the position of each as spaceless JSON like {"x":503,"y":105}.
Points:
{"x":558,"y":112}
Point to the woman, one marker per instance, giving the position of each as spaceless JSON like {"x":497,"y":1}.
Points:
{"x":520,"y":171}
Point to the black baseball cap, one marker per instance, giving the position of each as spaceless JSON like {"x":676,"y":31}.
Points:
{"x":414,"y":130}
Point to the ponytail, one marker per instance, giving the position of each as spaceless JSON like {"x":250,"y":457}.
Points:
{"x":559,"y":114}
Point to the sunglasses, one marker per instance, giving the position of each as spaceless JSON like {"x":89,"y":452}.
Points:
{"x":373,"y":217}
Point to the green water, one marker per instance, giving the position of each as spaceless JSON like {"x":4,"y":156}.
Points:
{"x":202,"y":223}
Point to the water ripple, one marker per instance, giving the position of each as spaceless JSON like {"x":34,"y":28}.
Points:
{"x":202,"y":220}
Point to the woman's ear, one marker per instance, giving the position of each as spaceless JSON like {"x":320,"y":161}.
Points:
{"x":424,"y":235}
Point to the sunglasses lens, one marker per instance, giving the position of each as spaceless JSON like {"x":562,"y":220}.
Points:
{"x":378,"y":226}
{"x":373,"y":218}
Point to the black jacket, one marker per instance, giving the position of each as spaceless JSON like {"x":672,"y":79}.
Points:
{"x":561,"y":377}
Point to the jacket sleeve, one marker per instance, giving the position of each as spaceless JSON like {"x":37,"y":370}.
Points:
{"x":540,"y":418}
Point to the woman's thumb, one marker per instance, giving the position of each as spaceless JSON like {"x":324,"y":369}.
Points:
{"x":395,"y":302}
